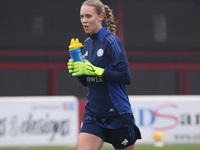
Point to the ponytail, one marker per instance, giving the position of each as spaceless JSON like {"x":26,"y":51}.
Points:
{"x":111,"y":24}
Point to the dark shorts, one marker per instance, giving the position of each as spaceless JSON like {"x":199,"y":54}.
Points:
{"x":119,"y":138}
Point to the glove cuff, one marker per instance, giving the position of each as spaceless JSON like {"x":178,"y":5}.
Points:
{"x":99,"y":71}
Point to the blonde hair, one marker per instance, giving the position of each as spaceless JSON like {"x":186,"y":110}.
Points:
{"x":103,"y":9}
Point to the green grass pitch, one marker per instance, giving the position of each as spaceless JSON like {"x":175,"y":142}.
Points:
{"x":138,"y":147}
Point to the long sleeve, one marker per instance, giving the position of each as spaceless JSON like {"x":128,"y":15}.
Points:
{"x":122,"y":76}
{"x":82,"y":79}
{"x":118,"y":69}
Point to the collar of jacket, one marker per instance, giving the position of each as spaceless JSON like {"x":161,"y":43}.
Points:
{"x":100,"y":34}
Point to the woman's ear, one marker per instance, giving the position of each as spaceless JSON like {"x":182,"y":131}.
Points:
{"x":101,"y":17}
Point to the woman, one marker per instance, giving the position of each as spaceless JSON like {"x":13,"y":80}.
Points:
{"x":105,"y":71}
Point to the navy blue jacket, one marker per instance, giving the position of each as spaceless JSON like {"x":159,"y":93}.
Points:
{"x":107,"y":95}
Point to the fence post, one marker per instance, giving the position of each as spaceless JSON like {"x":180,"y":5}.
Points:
{"x":52,"y":83}
{"x":120,"y":18}
{"x":186,"y":82}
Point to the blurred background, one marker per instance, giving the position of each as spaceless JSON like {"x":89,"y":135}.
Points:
{"x":161,"y":38}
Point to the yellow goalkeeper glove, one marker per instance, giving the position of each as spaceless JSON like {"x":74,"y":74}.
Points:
{"x":86,"y":68}
{"x":70,"y":65}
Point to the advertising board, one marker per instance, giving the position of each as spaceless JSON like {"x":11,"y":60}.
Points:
{"x":177,"y":117}
{"x":38,"y":121}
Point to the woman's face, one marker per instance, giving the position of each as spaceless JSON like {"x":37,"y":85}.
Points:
{"x":90,"y":20}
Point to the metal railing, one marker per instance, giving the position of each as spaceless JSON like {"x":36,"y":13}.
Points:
{"x":52,"y":67}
